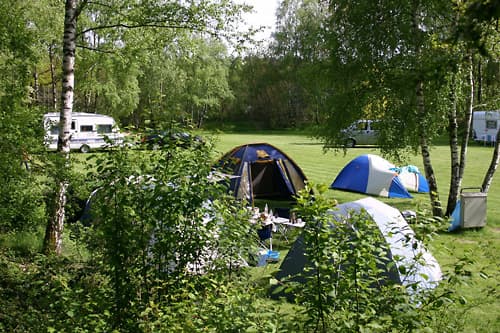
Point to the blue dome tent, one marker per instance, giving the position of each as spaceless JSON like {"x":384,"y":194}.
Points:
{"x":371,"y":174}
{"x":263,"y":171}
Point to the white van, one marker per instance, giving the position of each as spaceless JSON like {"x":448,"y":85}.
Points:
{"x":485,"y":126}
{"x":88,"y":131}
{"x":362,"y":132}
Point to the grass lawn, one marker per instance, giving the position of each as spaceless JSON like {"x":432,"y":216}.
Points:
{"x":482,"y":246}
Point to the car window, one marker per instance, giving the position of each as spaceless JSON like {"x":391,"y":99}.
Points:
{"x":361,"y":126}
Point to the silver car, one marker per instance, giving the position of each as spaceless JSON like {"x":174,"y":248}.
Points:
{"x":362,"y":132}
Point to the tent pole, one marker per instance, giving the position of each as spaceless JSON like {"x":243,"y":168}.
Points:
{"x":251,"y":184}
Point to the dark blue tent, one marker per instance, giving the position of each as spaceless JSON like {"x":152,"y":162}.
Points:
{"x":262,"y":171}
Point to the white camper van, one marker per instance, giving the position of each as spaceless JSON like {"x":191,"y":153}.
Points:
{"x":485,"y":126}
{"x":88,"y":131}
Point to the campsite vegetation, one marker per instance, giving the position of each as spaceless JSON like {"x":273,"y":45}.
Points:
{"x":111,"y":275}
{"x":346,"y":288}
{"x":164,"y":246}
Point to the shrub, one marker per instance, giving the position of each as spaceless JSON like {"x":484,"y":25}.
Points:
{"x":159,"y":221}
{"x":346,"y":287}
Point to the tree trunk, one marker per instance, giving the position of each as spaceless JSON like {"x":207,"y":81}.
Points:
{"x":459,"y":172}
{"x":455,"y":179}
{"x":437,"y":210}
{"x":54,"y":230}
{"x":36,"y":87}
{"x":479,"y":82}
{"x":488,"y":178}
{"x":468,"y":119}
{"x":53,"y":76}
{"x":426,"y":156}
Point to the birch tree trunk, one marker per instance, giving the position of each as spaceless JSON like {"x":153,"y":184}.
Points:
{"x":36,"y":86}
{"x":488,"y":178}
{"x":458,"y":166}
{"x":468,"y":120}
{"x":55,"y":225}
{"x":455,"y":179}
{"x":53,"y":76}
{"x":437,"y":210}
{"x":426,"y":156}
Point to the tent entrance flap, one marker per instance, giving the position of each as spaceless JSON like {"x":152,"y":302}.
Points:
{"x":267,"y":180}
{"x":243,"y":183}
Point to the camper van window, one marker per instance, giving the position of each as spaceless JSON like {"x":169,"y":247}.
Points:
{"x":86,"y":128}
{"x":491,"y":124}
{"x":73,"y":125}
{"x":104,"y":128}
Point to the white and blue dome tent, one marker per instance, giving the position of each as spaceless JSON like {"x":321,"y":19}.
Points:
{"x":407,"y":262}
{"x":371,"y":174}
{"x":407,"y":251}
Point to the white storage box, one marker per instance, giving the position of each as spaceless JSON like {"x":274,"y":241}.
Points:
{"x":473,"y":209}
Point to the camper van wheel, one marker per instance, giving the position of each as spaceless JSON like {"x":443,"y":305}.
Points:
{"x":84,"y":149}
{"x":350,"y":143}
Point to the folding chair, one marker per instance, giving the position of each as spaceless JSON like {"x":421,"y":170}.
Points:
{"x":265,"y":233}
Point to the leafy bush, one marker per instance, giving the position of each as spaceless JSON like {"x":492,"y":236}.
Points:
{"x":347,"y":288}
{"x":159,"y":221}
{"x":22,"y":205}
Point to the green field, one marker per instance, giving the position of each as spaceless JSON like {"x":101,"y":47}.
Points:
{"x":481,"y":246}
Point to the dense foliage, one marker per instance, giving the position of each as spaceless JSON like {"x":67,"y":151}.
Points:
{"x":21,"y":205}
{"x":347,"y":287}
{"x":147,"y":73}
{"x":159,"y":231}
{"x":153,"y":257}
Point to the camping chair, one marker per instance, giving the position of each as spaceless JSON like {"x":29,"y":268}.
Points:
{"x":265,"y":233}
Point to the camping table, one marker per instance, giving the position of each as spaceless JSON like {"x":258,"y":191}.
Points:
{"x":279,"y":224}
{"x":284,"y":225}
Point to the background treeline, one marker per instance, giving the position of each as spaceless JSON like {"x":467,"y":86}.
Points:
{"x":148,"y":76}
